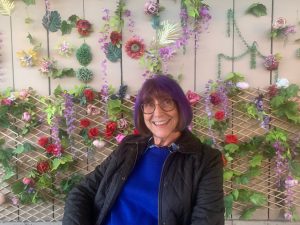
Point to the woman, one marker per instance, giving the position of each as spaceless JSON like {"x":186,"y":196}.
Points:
{"x":163,"y":176}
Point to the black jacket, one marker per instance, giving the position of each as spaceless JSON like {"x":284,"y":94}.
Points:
{"x":191,"y":185}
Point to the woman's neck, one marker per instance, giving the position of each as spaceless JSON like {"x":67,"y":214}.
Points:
{"x":167,"y":141}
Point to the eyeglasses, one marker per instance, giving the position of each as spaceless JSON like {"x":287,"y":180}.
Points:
{"x":166,"y":105}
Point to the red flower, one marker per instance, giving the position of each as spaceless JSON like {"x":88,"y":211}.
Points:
{"x":50,"y":148}
{"x":192,"y":97}
{"x":115,"y":37}
{"x":135,"y":48}
{"x":83,"y":27}
{"x":272,"y":91}
{"x":42,"y":166}
{"x":219,"y":115}
{"x":215,"y":98}
{"x":231,"y":139}
{"x":85,"y":123}
{"x":43,"y":141}
{"x":93,"y":133}
{"x":135,"y":131}
{"x":110,"y":129}
{"x":272,"y":62}
{"x":89,"y":94}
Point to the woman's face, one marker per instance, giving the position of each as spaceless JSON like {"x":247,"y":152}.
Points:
{"x":161,"y":117}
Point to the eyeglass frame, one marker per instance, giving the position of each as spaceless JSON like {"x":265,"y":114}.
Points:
{"x":154,"y":104}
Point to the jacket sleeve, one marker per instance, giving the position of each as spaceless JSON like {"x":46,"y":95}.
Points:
{"x":209,"y":206}
{"x":79,"y":206}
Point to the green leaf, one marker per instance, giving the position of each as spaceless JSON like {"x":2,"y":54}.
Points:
{"x":66,"y":28}
{"x":17,"y":187}
{"x":29,"y":2}
{"x":227,"y":175}
{"x":235,"y":194}
{"x":258,"y":199}
{"x":291,"y":91}
{"x":19,"y":149}
{"x":45,"y":181}
{"x":113,"y":53}
{"x":228,"y":202}
{"x":257,"y":10}
{"x":231,"y":148}
{"x":8,"y":174}
{"x":248,"y":213}
{"x":52,"y":21}
{"x":256,"y":160}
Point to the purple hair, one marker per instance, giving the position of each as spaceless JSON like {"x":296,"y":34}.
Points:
{"x":156,"y":87}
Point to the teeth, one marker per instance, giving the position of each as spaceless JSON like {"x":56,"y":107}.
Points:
{"x":160,"y":122}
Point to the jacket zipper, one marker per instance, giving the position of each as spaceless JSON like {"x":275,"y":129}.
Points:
{"x":160,"y":188}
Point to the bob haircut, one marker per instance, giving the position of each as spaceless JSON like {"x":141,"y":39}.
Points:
{"x":157,"y":87}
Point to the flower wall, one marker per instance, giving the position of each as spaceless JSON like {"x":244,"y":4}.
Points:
{"x":85,"y":61}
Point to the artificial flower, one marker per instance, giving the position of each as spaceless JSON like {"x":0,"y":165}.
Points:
{"x":64,"y":49}
{"x":279,"y":23}
{"x":280,"y":28}
{"x":282,"y":83}
{"x":242,"y":85}
{"x":115,"y":37}
{"x":166,"y":53}
{"x":43,"y":141}
{"x":98,"y":143}
{"x":219,"y":115}
{"x":92,"y":110}
{"x":136,"y":131}
{"x":24,"y":94}
{"x":272,"y":91}
{"x":272,"y":61}
{"x":93,"y":132}
{"x":53,"y":149}
{"x":192,"y":97}
{"x":85,"y":123}
{"x":89,"y":95}
{"x":47,"y":66}
{"x":122,"y":124}
{"x":119,"y":138}
{"x":28,"y":59}
{"x":111,"y":127}
{"x":231,"y":139}
{"x":43,"y":166}
{"x":6,"y":101}
{"x":151,"y":8}
{"x":15,"y":200}
{"x":26,"y":117}
{"x":83,"y":27}
{"x":215,"y":98}
{"x":135,"y":47}
{"x":27,"y":181}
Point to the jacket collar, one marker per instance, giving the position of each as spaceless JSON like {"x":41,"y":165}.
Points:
{"x":186,"y":143}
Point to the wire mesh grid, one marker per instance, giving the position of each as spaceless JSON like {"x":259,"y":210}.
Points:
{"x":86,"y":160}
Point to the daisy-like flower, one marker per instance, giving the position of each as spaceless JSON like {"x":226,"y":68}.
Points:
{"x":135,"y":47}
{"x":64,"y":49}
{"x":27,"y":59}
{"x":47,"y":66}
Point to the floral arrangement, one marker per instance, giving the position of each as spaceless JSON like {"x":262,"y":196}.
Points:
{"x":272,"y":62}
{"x":281,"y":29}
{"x":64,"y":49}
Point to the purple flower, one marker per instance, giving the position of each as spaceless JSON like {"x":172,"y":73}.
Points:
{"x":166,"y":53}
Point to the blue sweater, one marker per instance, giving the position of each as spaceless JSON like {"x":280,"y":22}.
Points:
{"x":138,"y":200}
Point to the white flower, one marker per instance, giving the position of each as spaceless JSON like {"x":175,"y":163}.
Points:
{"x":282,"y":83}
{"x":242,"y":85}
{"x":279,"y":23}
{"x":98,"y":143}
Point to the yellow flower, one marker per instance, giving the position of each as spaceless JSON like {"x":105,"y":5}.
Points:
{"x":27,"y":59}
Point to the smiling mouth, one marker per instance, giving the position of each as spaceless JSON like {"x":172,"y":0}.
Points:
{"x":160,"y":123}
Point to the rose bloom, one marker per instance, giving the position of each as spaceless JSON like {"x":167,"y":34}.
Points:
{"x":6,"y":101}
{"x":110,"y":129}
{"x":135,"y":131}
{"x":279,"y":23}
{"x":219,"y":115}
{"x":151,"y":8}
{"x":192,"y":97}
{"x":43,"y":141}
{"x":26,"y":117}
{"x":83,"y":27}
{"x":50,"y":148}
{"x":23,"y":94}
{"x":93,"y":132}
{"x":92,"y":110}
{"x":231,"y":139}
{"x":27,"y":181}
{"x":89,"y":94}
{"x":115,"y":37}
{"x":42,"y":166}
{"x":85,"y":123}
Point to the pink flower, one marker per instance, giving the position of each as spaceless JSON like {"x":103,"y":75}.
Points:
{"x":27,"y":181}
{"x":15,"y":200}
{"x":26,"y":116}
{"x":23,"y":94}
{"x":192,"y":97}
{"x":151,"y":8}
{"x":119,"y":137}
{"x":122,"y":124}
{"x":92,"y":110}
{"x":279,"y":23}
{"x":6,"y":101}
{"x":98,"y":143}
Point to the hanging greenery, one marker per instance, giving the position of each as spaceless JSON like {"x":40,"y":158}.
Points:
{"x":84,"y":54}
{"x":52,"y":21}
{"x":84,"y":74}
{"x":257,"y":9}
